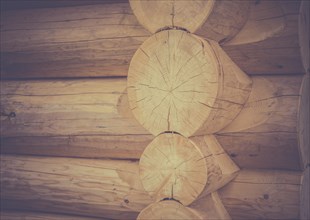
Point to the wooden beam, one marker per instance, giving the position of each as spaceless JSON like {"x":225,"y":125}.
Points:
{"x":18,"y":215}
{"x":100,"y":188}
{"x":94,"y":40}
{"x":112,"y":189}
{"x":265,"y":133}
{"x":100,"y":40}
{"x":176,"y":83}
{"x":101,"y":122}
{"x":270,"y":52}
{"x":263,"y":194}
{"x":71,"y":107}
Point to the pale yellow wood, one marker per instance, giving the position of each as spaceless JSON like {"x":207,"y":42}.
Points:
{"x":303,"y":33}
{"x":303,"y":123}
{"x":168,"y":209}
{"x":173,"y":167}
{"x":18,"y":215}
{"x":267,"y":125}
{"x":176,"y":83}
{"x":211,"y":207}
{"x":188,"y":14}
{"x":226,"y":20}
{"x":266,"y":19}
{"x":263,"y":194}
{"x":112,"y":189}
{"x":305,"y":195}
{"x":220,"y":168}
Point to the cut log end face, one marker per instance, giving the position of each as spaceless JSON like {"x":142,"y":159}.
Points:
{"x":168,"y":210}
{"x":173,"y":82}
{"x":173,"y":167}
{"x":154,"y":14}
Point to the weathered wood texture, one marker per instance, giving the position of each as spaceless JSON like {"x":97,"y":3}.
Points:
{"x":112,"y":189}
{"x":100,"y":40}
{"x":211,"y":207}
{"x":95,"y":40}
{"x":91,"y":118}
{"x":266,"y":20}
{"x":102,"y":188}
{"x":305,"y":195}
{"x":225,"y":20}
{"x":172,"y":166}
{"x":17,"y":215}
{"x":179,"y":82}
{"x":263,"y":194}
{"x":277,"y":54}
{"x":73,"y":107}
{"x":265,"y":133}
{"x":155,"y":15}
{"x":168,"y":209}
{"x":220,"y":168}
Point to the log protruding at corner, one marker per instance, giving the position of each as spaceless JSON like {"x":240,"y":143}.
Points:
{"x":176,"y":83}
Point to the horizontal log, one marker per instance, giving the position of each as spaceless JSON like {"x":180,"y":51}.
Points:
{"x":275,"y":51}
{"x":18,"y":215}
{"x":94,"y":115}
{"x":263,"y":194}
{"x":265,"y":132}
{"x":94,"y":40}
{"x":75,"y":107}
{"x":112,"y":189}
{"x":100,"y":40}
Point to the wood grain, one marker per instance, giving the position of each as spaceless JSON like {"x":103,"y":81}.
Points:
{"x":111,"y":189}
{"x":253,"y":191}
{"x":70,"y":107}
{"x":211,"y":207}
{"x":96,"y":41}
{"x":172,"y":166}
{"x":100,"y":188}
{"x":182,"y":83}
{"x":18,"y":215}
{"x":265,"y":133}
{"x":168,"y":209}
{"x":254,"y":146}
{"x":82,"y":41}
{"x":155,"y":15}
{"x":278,"y":54}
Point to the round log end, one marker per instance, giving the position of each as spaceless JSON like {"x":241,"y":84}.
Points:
{"x":168,"y":209}
{"x":173,"y":82}
{"x":155,"y":15}
{"x":173,"y":167}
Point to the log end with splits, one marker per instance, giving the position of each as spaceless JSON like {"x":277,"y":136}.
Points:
{"x":168,"y":209}
{"x":179,"y":82}
{"x":174,"y":167}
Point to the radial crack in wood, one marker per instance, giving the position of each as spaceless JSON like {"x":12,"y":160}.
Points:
{"x":168,"y":209}
{"x":176,"y":83}
{"x":173,"y":167}
{"x":155,"y":15}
